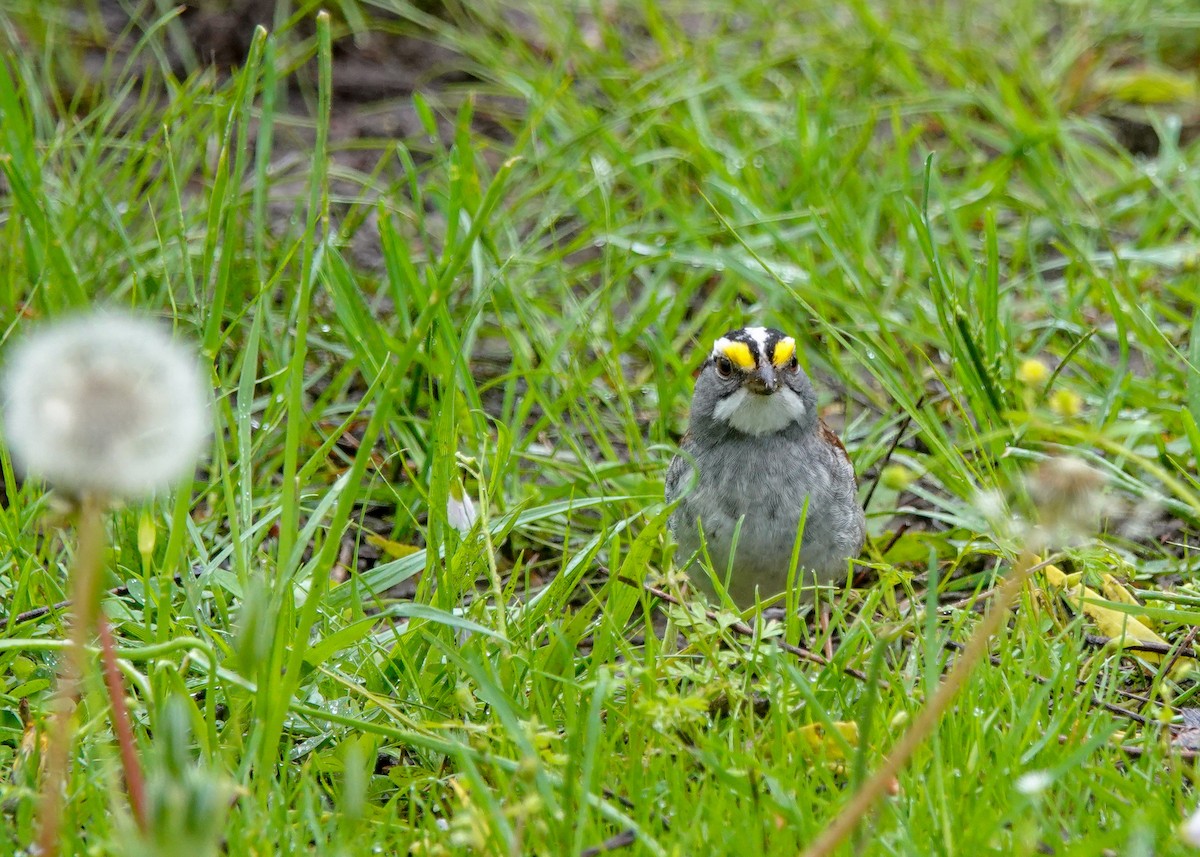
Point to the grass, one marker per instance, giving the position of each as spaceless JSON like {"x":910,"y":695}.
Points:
{"x":926,"y":195}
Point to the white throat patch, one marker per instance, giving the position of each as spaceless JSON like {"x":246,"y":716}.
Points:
{"x":757,"y":415}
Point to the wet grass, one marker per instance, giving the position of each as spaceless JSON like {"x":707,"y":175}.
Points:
{"x":511,"y":303}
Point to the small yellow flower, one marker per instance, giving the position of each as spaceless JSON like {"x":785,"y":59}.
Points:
{"x":1066,"y":403}
{"x":897,"y":477}
{"x":1032,"y":371}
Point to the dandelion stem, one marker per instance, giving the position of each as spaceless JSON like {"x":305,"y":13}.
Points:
{"x":85,"y":582}
{"x":122,"y":723}
{"x":927,"y":720}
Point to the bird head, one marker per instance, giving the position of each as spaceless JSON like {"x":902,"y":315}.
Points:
{"x":753,"y":382}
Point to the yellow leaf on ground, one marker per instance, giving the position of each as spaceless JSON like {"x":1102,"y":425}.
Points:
{"x":817,"y":738}
{"x":396,"y":550}
{"x":1147,"y":85}
{"x":1121,"y":627}
{"x":1114,"y":590}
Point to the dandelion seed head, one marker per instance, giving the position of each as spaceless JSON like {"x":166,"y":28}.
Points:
{"x":105,"y":403}
{"x":1034,"y":782}
{"x":1189,"y":831}
{"x":1070,"y":498}
{"x":996,"y":512}
{"x":991,"y":505}
{"x":1138,"y":518}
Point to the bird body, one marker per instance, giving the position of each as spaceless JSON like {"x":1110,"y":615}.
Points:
{"x":757,"y":452}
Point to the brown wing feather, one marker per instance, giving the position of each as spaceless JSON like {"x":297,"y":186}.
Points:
{"x":830,"y":436}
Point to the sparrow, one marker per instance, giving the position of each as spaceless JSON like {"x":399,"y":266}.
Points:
{"x":756,"y":459}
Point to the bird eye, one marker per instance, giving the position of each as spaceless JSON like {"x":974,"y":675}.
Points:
{"x":724,"y":367}
{"x":793,"y":365}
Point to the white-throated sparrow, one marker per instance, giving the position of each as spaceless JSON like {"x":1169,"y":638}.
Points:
{"x":757,"y":451}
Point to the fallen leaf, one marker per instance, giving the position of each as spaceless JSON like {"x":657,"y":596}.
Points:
{"x":1147,"y":85}
{"x":1120,"y":627}
{"x":818,"y":740}
{"x":396,"y":550}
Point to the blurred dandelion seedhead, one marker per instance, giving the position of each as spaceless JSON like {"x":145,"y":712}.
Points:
{"x":105,"y":403}
{"x":1070,"y":504}
{"x":1070,"y":497}
{"x":1034,"y":782}
{"x":1189,"y":831}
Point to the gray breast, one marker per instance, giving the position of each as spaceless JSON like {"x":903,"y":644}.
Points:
{"x":767,"y":483}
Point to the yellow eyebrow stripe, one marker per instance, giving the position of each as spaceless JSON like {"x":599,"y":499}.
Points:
{"x":785,"y":349}
{"x":739,"y":353}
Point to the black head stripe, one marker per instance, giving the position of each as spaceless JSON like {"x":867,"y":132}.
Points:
{"x":760,"y":340}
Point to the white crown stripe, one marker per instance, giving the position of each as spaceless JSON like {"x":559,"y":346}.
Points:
{"x":720,"y":345}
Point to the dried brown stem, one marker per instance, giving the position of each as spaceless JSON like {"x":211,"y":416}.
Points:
{"x":975,"y":649}
{"x":887,"y":456}
{"x":973,"y":652}
{"x":900,"y":531}
{"x":85,"y":580}
{"x":1186,"y":645}
{"x":39,"y":612}
{"x":1183,"y":651}
{"x":135,"y":783}
{"x":622,"y":840}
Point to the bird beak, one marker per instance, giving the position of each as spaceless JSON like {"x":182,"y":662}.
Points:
{"x":764,"y":382}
